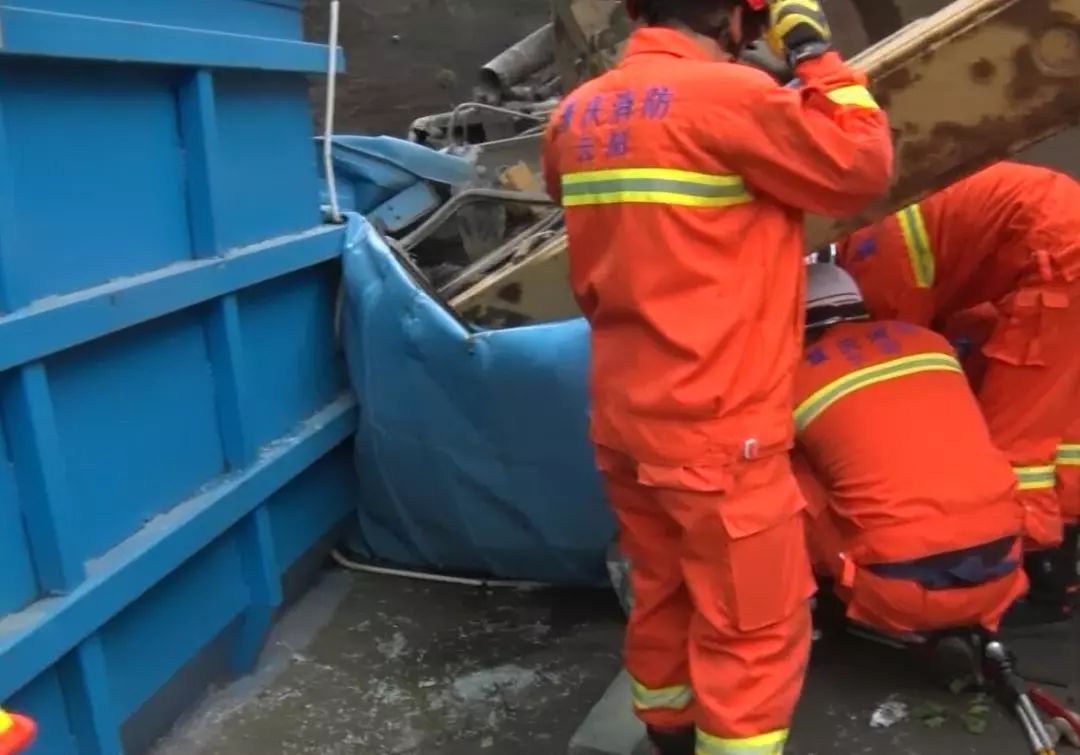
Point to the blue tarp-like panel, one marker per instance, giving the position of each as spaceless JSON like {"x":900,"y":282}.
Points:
{"x":472,"y":447}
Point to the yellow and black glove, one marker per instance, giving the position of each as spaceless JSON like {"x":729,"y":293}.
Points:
{"x":798,"y":30}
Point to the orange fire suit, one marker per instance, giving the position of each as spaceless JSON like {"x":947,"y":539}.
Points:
{"x":913,"y":511}
{"x":16,"y":732}
{"x":1008,"y":236}
{"x":684,"y":179}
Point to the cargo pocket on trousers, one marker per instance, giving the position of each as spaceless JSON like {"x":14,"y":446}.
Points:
{"x":768,"y":566}
{"x":1031,"y":326}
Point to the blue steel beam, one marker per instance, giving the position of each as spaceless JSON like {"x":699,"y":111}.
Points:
{"x":28,"y":31}
{"x":254,"y":535}
{"x":34,"y":639}
{"x":42,"y":479}
{"x":61,"y":322}
{"x":84,"y":674}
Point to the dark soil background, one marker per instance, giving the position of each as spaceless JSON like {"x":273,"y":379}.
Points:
{"x":408,"y":58}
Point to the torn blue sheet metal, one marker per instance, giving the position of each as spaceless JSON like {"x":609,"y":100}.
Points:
{"x":472,"y":446}
{"x":393,"y":182}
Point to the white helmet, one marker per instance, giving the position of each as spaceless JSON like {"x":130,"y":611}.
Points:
{"x":832,"y":296}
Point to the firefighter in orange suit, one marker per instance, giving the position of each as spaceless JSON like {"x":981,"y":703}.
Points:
{"x":16,"y":732}
{"x":912,"y":510}
{"x":1004,"y":241}
{"x":684,"y":177}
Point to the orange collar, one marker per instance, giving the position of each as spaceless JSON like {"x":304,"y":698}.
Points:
{"x":662,"y":40}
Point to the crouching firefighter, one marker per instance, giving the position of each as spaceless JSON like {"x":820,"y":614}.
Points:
{"x":1004,"y":245}
{"x":913,"y":511}
{"x":685,"y":178}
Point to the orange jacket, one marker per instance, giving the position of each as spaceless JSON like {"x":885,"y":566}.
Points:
{"x":684,"y":180}
{"x":893,"y":432}
{"x":16,"y":732}
{"x":1005,"y":227}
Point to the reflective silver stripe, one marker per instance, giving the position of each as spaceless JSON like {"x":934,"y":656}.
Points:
{"x":1068,"y":455}
{"x":1035,"y":478}
{"x":653,"y":185}
{"x":763,"y":744}
{"x":665,"y":698}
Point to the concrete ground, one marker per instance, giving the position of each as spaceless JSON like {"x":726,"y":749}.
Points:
{"x":380,"y":666}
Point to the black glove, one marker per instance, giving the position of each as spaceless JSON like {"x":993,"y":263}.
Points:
{"x":798,"y":30}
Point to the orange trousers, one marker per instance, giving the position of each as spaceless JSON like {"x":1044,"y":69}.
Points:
{"x":1030,"y":395}
{"x":720,"y":630}
{"x":900,"y":606}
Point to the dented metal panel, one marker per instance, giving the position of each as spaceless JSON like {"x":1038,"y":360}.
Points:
{"x":975,"y":82}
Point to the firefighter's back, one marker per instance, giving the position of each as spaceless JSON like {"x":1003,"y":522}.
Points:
{"x":894,"y":432}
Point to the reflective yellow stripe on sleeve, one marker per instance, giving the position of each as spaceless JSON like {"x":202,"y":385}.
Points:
{"x":765,"y":744}
{"x":917,"y":240}
{"x":6,"y":722}
{"x":1068,"y":455}
{"x":1035,"y":478}
{"x":810,"y":409}
{"x":653,"y":186}
{"x":665,"y":698}
{"x":855,"y":95}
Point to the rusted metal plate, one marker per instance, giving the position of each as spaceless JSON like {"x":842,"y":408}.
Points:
{"x":975,"y":82}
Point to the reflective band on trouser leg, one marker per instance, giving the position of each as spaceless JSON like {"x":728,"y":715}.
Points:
{"x":920,"y":252}
{"x":855,"y":95}
{"x":764,"y":744}
{"x":653,"y":186}
{"x":1068,"y":455}
{"x":1068,"y":480}
{"x":677,"y":697}
{"x":1035,"y":478}
{"x":818,"y":402}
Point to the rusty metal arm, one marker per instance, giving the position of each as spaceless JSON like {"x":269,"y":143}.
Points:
{"x":975,"y":82}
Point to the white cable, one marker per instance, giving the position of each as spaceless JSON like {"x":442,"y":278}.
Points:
{"x":328,"y":121}
{"x":351,"y":565}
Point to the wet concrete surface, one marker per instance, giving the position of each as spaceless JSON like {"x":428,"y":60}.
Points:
{"x":381,"y":666}
{"x":409,"y":667}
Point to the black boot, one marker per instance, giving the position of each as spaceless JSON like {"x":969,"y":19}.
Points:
{"x":1070,"y":554}
{"x":1053,"y":593}
{"x":672,"y":741}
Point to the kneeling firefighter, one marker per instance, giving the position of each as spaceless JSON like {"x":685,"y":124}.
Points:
{"x":913,"y":512}
{"x":685,"y":178}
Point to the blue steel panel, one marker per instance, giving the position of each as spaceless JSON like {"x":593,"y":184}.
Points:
{"x":136,"y":396}
{"x":275,"y":18}
{"x":305,"y":509}
{"x":32,"y":640}
{"x":76,"y":229}
{"x":59,"y":323}
{"x":43,"y":700}
{"x":182,"y":613}
{"x":138,"y":426}
{"x":18,"y":585}
{"x":289,"y":344}
{"x":253,"y":111}
{"x":35,"y":32}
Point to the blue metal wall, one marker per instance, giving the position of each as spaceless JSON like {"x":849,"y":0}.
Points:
{"x":173,"y":405}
